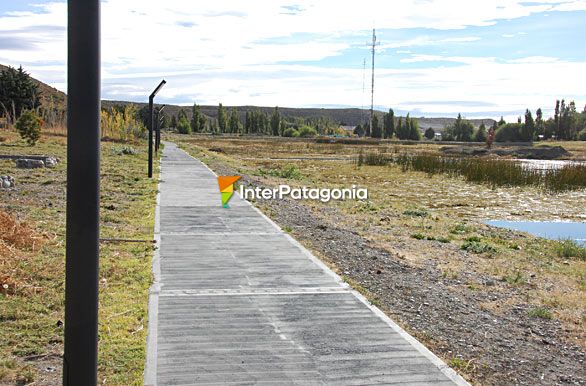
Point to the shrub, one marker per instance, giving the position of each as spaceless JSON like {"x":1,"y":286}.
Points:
{"x":460,"y":229}
{"x":478,"y":247}
{"x":125,"y":150}
{"x":307,"y":131}
{"x":29,"y":127}
{"x":582,"y":135}
{"x":290,"y":132}
{"x":289,"y":172}
{"x":373,"y":159}
{"x":430,"y":133}
{"x":416,"y":213}
{"x":569,"y":248}
{"x":183,"y":126}
{"x":480,"y":135}
{"x":540,"y":312}
{"x":509,"y":132}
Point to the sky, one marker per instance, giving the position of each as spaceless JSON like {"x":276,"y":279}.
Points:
{"x":433,"y":58}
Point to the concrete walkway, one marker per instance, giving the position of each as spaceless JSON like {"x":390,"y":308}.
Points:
{"x":238,"y":301}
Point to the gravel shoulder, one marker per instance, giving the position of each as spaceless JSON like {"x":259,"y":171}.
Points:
{"x":484,"y":332}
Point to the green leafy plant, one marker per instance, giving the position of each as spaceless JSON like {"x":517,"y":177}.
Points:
{"x":540,"y":312}
{"x":478,"y":247}
{"x":416,"y":213}
{"x":569,"y":248}
{"x":29,"y":127}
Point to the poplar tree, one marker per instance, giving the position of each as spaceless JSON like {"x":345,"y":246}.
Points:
{"x":222,"y":119}
{"x":275,"y":121}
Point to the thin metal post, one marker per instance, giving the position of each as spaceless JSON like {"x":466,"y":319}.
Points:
{"x":83,"y":193}
{"x":158,"y":133}
{"x":151,"y":135}
{"x":151,"y":126}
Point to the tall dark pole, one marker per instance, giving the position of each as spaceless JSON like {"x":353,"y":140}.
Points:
{"x":151,"y":126}
{"x":83,"y":193}
{"x":150,"y":173}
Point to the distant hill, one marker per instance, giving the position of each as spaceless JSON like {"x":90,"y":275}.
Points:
{"x":344,"y":116}
{"x":48,"y":94}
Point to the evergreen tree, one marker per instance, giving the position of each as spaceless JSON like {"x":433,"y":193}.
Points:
{"x":414,"y":133}
{"x":181,"y":114}
{"x":275,"y":121}
{"x":376,"y":131}
{"x":529,"y":127}
{"x":18,"y":93}
{"x":502,"y":121}
{"x":198,"y":120}
{"x":556,"y":116}
{"x":234,"y":121}
{"x":247,"y":123}
{"x":430,"y":133}
{"x":539,"y":124}
{"x":389,"y":124}
{"x":463,"y":129}
{"x":222,"y":119}
{"x":481,"y":134}
{"x":173,"y":121}
{"x":400,"y":129}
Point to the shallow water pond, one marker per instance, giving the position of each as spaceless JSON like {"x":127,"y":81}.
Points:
{"x":554,"y":230}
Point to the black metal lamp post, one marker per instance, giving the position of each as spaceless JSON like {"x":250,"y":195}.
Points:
{"x":158,"y":132}
{"x":83,"y":193}
{"x":151,"y":126}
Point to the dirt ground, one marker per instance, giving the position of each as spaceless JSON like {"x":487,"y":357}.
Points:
{"x":481,"y":313}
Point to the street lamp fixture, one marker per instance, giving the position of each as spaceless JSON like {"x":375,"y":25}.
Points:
{"x":151,"y":126}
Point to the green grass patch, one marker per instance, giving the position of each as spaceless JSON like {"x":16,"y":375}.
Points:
{"x":416,"y":213}
{"x":515,"y":278}
{"x":474,"y":245}
{"x":290,"y":172}
{"x":540,"y":312}
{"x":570,"y":249}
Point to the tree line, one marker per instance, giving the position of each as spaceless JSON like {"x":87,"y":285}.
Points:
{"x":255,"y":122}
{"x":566,"y":124}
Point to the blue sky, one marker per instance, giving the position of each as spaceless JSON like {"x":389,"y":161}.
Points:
{"x":434,"y":57}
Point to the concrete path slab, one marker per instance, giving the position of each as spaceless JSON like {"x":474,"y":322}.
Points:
{"x":238,"y":301}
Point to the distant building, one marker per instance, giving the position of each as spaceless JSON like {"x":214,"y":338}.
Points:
{"x":438,"y":136}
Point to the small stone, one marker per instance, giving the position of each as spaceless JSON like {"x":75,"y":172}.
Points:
{"x":50,"y":162}
{"x":26,"y":163}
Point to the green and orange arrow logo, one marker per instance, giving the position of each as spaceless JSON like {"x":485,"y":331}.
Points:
{"x":226,"y":184}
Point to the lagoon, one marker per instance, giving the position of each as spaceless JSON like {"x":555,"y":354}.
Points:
{"x":554,"y":230}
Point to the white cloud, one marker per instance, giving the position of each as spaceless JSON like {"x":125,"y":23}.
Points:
{"x":230,"y":50}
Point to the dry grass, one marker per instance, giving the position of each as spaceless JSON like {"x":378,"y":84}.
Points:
{"x":15,"y":240}
{"x":32,"y":264}
{"x":455,"y":212}
{"x":16,"y":234}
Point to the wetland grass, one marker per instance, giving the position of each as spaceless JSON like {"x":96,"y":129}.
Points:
{"x":486,"y":171}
